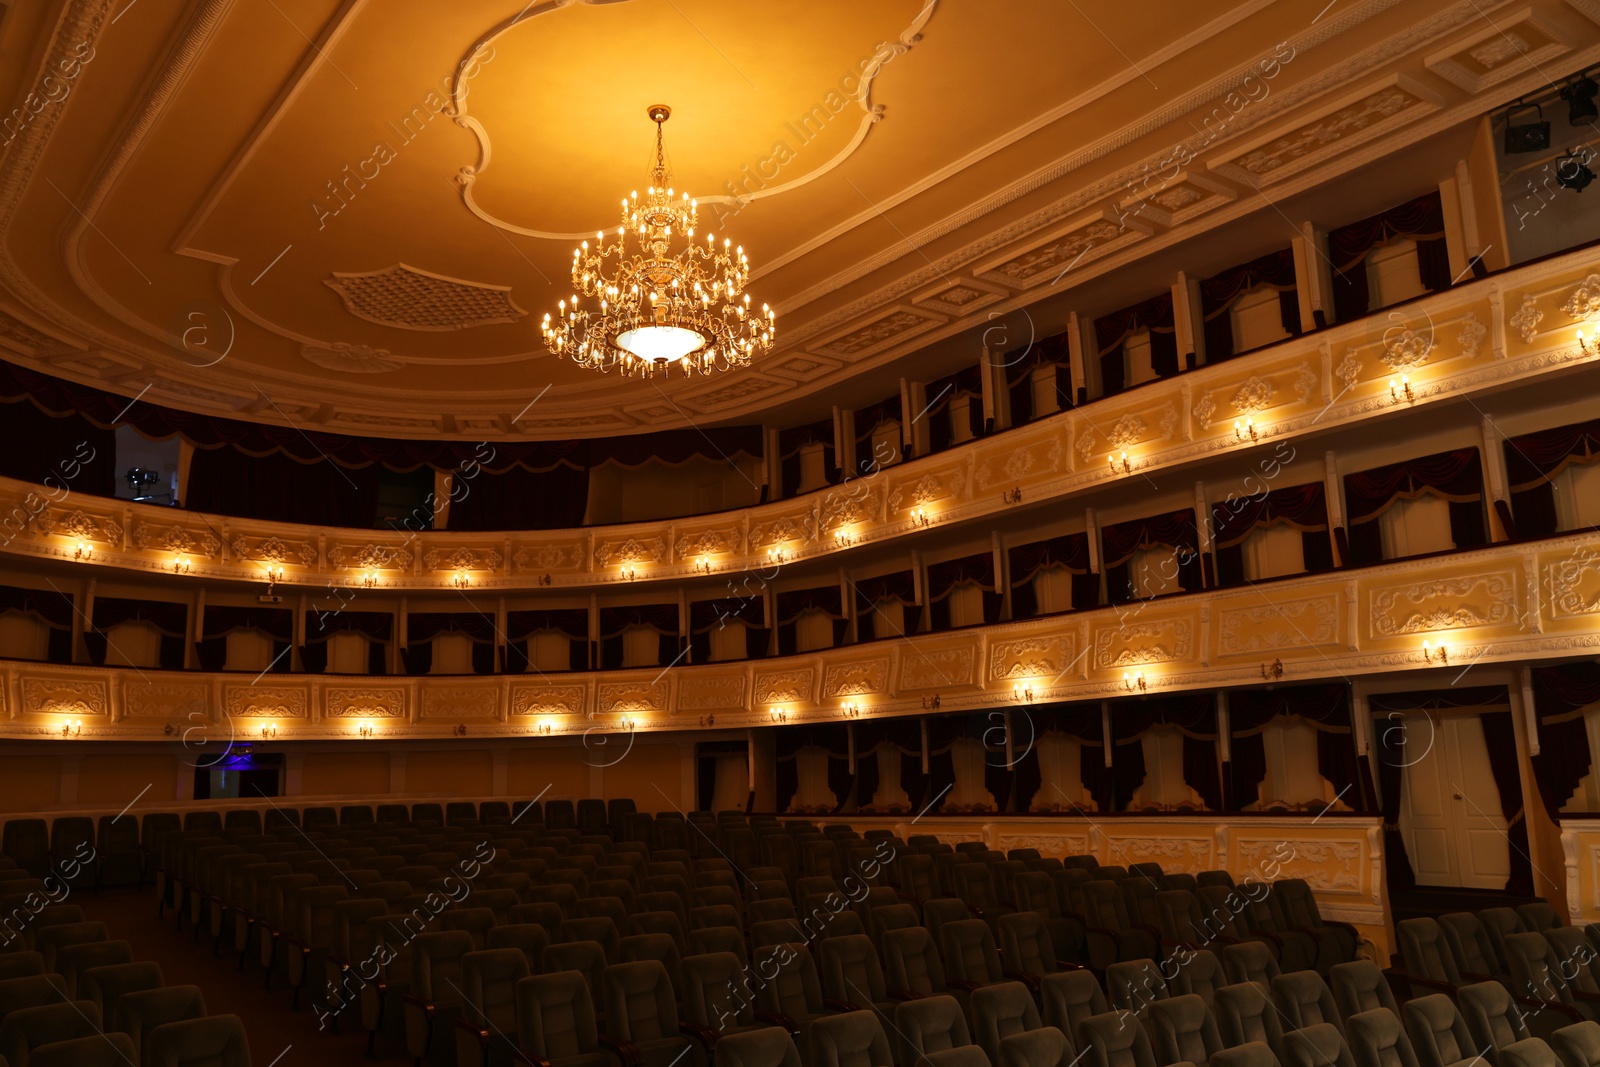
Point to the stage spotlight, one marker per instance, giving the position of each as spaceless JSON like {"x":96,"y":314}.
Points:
{"x":1526,"y":136}
{"x":1580,"y":96}
{"x":1572,"y":173}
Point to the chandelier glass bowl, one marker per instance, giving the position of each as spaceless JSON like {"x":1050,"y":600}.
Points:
{"x":644,"y":308}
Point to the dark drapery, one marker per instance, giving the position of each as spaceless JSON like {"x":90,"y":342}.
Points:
{"x":1020,"y":366}
{"x":517,"y":498}
{"x":1194,"y":716}
{"x":748,"y":613}
{"x":793,"y":440}
{"x":1455,"y":476}
{"x":614,"y":622}
{"x":901,"y":736}
{"x":946,"y":577}
{"x":1221,"y":291}
{"x":1080,"y":721}
{"x":522,"y":626}
{"x":54,"y":609}
{"x":989,"y":730}
{"x":1535,"y":458}
{"x":376,"y":626}
{"x":1561,"y":692}
{"x":423,"y":626}
{"x":1499,"y":736}
{"x":276,"y":486}
{"x":54,"y":447}
{"x":900,"y":585}
{"x":1069,"y":552}
{"x":1421,"y":219}
{"x":1325,"y":708}
{"x":168,"y":618}
{"x":940,"y":392}
{"x":789,"y":606}
{"x":219,"y":620}
{"x":1112,"y":331}
{"x":1174,"y":530}
{"x":1303,"y":507}
{"x":834,"y":739}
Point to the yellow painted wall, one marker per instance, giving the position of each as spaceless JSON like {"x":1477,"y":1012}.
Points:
{"x":29,"y":783}
{"x":341,"y":774}
{"x":443,"y":773}
{"x":114,"y":781}
{"x":652,"y":775}
{"x":561,"y":768}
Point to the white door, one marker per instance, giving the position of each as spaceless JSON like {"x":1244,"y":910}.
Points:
{"x":1449,"y":808}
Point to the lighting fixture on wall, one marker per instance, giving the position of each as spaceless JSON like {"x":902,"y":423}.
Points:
{"x":1582,"y":344}
{"x":369,"y":580}
{"x":460,"y":730}
{"x":708,"y":720}
{"x":180,"y":564}
{"x":780,"y":715}
{"x":72,"y":728}
{"x":1526,"y":136}
{"x":656,"y":310}
{"x":702,"y":565}
{"x":628,"y":723}
{"x":1247,"y":430}
{"x":931,"y":703}
{"x":777,"y":554}
{"x":628,"y":573}
{"x":545,"y":579}
{"x":1023,"y":693}
{"x":1120,"y":464}
{"x":920,"y":517}
{"x":851,"y":710}
{"x":544,"y":727}
{"x":365,"y":728}
{"x":1435,"y":654}
{"x":843,"y":539}
{"x":83,"y":552}
{"x":1133,"y":682}
{"x":1012,"y":496}
{"x":462,"y":580}
{"x":1402,"y":388}
{"x":1275,"y":670}
{"x":269,"y":731}
{"x":274,"y":576}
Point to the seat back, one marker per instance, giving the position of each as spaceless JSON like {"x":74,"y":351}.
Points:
{"x":640,"y":1002}
{"x":1439,"y":1035}
{"x":1304,"y":999}
{"x":912,"y":964}
{"x":1184,"y":1030}
{"x":1499,"y":924}
{"x":930,"y":1024}
{"x":1069,"y":997}
{"x":1026,"y":944}
{"x":555,"y":1016}
{"x":850,"y":1039}
{"x":24,"y":1030}
{"x":1378,"y":1040}
{"x":849,"y":970}
{"x":1492,"y":1017}
{"x":1320,"y":1045}
{"x":436,"y":965}
{"x":1535,"y":971}
{"x":1245,"y":1012}
{"x":1110,"y":1041}
{"x":1199,"y":973}
{"x":969,"y":952}
{"x":1532,"y":1052}
{"x":1426,"y":954}
{"x":1578,"y":1045}
{"x":768,"y":1047}
{"x":1249,"y":961}
{"x":1046,"y":1046}
{"x":1132,"y":985}
{"x":1360,"y":986}
{"x":1000,"y":1010}
{"x":712,"y":984}
{"x":489,"y":987}
{"x":1249,"y":1054}
{"x":140,"y":1014}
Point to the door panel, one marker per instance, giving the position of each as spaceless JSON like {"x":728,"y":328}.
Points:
{"x":1450,"y":810}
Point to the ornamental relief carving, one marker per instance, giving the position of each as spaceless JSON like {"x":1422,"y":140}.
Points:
{"x":924,"y":490}
{"x":856,"y":679}
{"x":1268,"y":627}
{"x":78,"y":524}
{"x":1165,"y":641}
{"x":1445,"y":604}
{"x":246,"y":701}
{"x":369,"y":557}
{"x":1573,"y":584}
{"x":1473,"y":333}
{"x":785,"y":687}
{"x":1405,"y":348}
{"x":707,"y":543}
{"x":175,"y":539}
{"x":548,"y":700}
{"x":1049,"y":845}
{"x":1583,"y":303}
{"x":622,"y":697}
{"x":1175,"y":854}
{"x":480,"y":702}
{"x":698,"y":692}
{"x":632,"y":550}
{"x":1126,"y":431}
{"x":364,"y":702}
{"x":1254,"y":396}
{"x":60,"y":696}
{"x":936,"y":668}
{"x":788,"y":528}
{"x":1527,"y":320}
{"x":273,"y":550}
{"x":461,"y":559}
{"x":563,"y":557}
{"x":164,"y":700}
{"x":1305,"y":383}
{"x":1202,"y":412}
{"x":1327,"y":866}
{"x":1030,"y":657}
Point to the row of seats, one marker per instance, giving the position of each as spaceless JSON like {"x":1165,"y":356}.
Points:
{"x":72,"y":997}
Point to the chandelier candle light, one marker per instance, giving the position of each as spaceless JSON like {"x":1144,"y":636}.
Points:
{"x":658,"y":310}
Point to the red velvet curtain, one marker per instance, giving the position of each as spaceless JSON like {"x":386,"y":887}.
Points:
{"x":1534,"y":457}
{"x":1195,"y":716}
{"x":1081,"y":721}
{"x":1455,"y":475}
{"x":520,"y":499}
{"x":1499,"y":735}
{"x":1561,"y":692}
{"x":899,"y":585}
{"x":1421,"y":219}
{"x":1304,"y":507}
{"x":1111,"y":331}
{"x":1019,"y":366}
{"x":792,"y":440}
{"x":227,"y":481}
{"x":51,"y":607}
{"x":1221,"y":291}
{"x":54,"y":447}
{"x":573,"y":622}
{"x":940,"y":392}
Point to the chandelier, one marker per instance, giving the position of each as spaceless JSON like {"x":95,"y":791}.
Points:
{"x":649,"y":310}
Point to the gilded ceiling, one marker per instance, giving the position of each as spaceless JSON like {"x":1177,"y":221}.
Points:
{"x":353,"y":214}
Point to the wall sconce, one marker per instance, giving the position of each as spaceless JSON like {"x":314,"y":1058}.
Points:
{"x":1273,"y":671}
{"x":702,"y":565}
{"x":83,"y":552}
{"x":628,"y":573}
{"x":931,"y":703}
{"x":1133,"y":682}
{"x":708,"y":720}
{"x":1119,"y":464}
{"x":365,"y":729}
{"x":777,"y":554}
{"x":369,"y":580}
{"x":180,"y":564}
{"x":274,"y":576}
{"x":1248,"y":430}
{"x":1404,"y":387}
{"x":852,"y":710}
{"x":1435,"y":655}
{"x":1012,"y":496}
{"x":461,"y":580}
{"x":780,"y":715}
{"x":1023,"y":692}
{"x":544,"y":727}
{"x":628,"y":723}
{"x":459,"y":730}
{"x":545,"y":579}
{"x":1582,"y":343}
{"x":843,"y":538}
{"x":920,"y":517}
{"x":269,"y":731}
{"x":74,"y":728}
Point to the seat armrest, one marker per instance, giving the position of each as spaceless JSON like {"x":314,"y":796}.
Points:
{"x":626,"y":1051}
{"x":903,"y":994}
{"x":961,"y":984}
{"x":833,"y":1004}
{"x":703,"y":1034}
{"x":1572,"y":1014}
{"x":1029,"y":980}
{"x":777,"y":1018}
{"x":427,"y":1006}
{"x":477,"y":1031}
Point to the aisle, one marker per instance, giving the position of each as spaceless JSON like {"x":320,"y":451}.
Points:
{"x":278,"y":1035}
